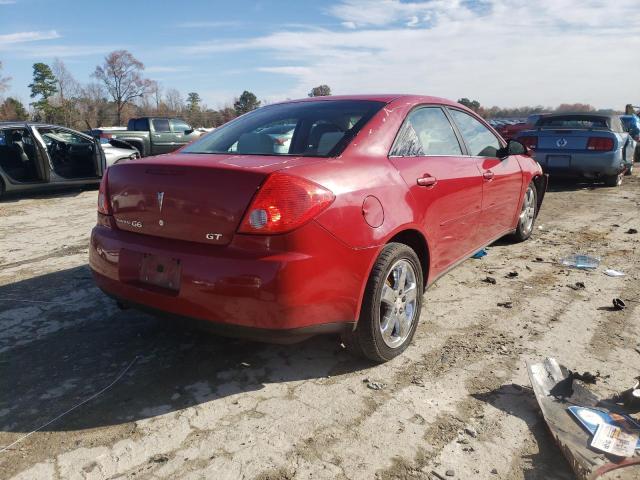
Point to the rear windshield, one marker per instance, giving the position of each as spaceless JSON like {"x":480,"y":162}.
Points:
{"x":573,"y":121}
{"x":315,"y":129}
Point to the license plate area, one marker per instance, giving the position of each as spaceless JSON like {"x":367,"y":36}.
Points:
{"x":160,"y":271}
{"x":559,"y":161}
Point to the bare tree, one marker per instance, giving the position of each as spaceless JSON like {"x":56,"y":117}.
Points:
{"x":93,"y":106}
{"x":174,"y":101}
{"x":68,"y":92}
{"x":121,"y":74}
{"x":4,"y":81}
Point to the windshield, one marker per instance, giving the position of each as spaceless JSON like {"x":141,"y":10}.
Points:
{"x":315,"y":129}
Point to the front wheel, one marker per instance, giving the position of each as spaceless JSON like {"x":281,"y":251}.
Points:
{"x":528,"y":214}
{"x":613,"y":180}
{"x":391,"y":305}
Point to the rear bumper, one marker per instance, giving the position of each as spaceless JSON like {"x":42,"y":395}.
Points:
{"x":254,"y":287}
{"x":580,"y":164}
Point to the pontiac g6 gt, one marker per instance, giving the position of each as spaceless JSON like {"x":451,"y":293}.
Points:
{"x":339,"y":229}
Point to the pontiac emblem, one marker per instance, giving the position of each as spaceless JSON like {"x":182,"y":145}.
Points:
{"x":160,"y":199}
{"x":562,"y":142}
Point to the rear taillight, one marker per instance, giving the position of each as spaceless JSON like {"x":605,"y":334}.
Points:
{"x":529,"y":142}
{"x":284,"y":203}
{"x":600,"y":144}
{"x":104,"y":206}
{"x":636,"y":138}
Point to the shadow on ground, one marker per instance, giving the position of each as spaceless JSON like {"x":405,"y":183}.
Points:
{"x":548,"y":462}
{"x":62,"y":341}
{"x":47,"y":192}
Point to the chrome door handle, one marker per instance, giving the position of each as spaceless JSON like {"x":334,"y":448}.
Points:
{"x":427,"y":181}
{"x":488,"y":175}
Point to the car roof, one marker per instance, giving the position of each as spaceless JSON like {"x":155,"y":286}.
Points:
{"x":385,"y":98}
{"x":20,"y":123}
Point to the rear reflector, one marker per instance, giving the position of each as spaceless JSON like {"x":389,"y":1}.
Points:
{"x":284,"y":203}
{"x":104,"y":206}
{"x":600,"y":144}
{"x":529,"y":142}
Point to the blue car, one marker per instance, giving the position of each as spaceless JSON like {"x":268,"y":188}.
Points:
{"x":632,"y":125}
{"x":587,"y":145}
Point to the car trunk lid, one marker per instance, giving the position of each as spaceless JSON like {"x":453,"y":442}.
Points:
{"x":197,"y":198}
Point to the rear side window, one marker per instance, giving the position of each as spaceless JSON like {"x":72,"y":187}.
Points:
{"x":479,"y":139}
{"x":141,"y":124}
{"x":573,"y":121}
{"x":318,"y":128}
{"x":161,"y":125}
{"x":426,"y":131}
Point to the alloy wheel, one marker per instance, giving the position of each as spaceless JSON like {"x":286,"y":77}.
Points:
{"x":398,"y":303}
{"x":528,"y":212}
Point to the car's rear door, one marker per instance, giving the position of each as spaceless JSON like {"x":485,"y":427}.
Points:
{"x":444,"y":182}
{"x":501,"y":177}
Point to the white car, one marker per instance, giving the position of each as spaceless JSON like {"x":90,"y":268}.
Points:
{"x":118,"y":154}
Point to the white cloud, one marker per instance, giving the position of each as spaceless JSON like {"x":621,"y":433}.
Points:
{"x":502,"y":52}
{"x":21,"y":37}
{"x":63,"y":51}
{"x":7,"y":2}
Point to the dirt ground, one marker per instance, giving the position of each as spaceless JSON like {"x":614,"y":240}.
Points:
{"x":192,"y":405}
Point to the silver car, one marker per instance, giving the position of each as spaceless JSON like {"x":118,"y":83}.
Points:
{"x":36,"y":156}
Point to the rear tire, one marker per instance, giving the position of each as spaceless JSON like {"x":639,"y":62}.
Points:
{"x":528,"y":214}
{"x":629,"y":170}
{"x":391,"y":306}
{"x":613,"y":180}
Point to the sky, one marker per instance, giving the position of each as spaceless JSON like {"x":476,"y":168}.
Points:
{"x":500,"y":52}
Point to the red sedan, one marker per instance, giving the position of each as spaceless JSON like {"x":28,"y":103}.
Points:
{"x":373,"y":200}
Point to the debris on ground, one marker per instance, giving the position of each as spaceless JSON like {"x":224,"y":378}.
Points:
{"x":577,"y":286}
{"x":511,"y":275}
{"x":480,"y":254}
{"x":373,"y":385}
{"x":490,"y":280}
{"x":613,"y":273}
{"x":472,"y":432}
{"x":586,"y":377}
{"x":632,"y":231}
{"x":583,"y":262}
{"x":618,"y":304}
{"x":539,"y":259}
{"x":630,"y":398}
{"x":557,"y":393}
{"x":505,"y":304}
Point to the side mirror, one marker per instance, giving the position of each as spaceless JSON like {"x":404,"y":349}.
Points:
{"x":513,"y":147}
{"x":188,"y":131}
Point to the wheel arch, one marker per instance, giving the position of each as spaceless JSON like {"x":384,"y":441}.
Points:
{"x":418,"y":243}
{"x":540,"y":182}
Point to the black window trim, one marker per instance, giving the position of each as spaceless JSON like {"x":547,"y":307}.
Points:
{"x":501,"y":141}
{"x":456,"y":132}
